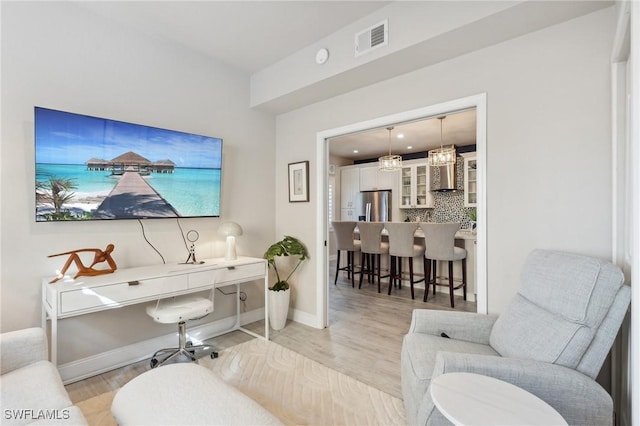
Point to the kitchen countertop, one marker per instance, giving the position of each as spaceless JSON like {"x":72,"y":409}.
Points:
{"x":463,"y":234}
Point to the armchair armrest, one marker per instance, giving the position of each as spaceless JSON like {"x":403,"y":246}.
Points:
{"x":577,"y":397}
{"x":22,"y":347}
{"x":467,"y":326}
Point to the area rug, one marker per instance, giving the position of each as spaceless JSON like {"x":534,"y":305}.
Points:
{"x":296,"y":389}
{"x":97,"y":410}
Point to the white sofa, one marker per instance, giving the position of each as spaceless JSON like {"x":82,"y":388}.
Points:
{"x":31,"y":390}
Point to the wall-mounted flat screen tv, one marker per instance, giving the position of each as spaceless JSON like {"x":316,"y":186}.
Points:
{"x":90,"y":168}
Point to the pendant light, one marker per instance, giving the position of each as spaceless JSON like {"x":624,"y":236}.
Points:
{"x":442,"y":156}
{"x":389,"y":162}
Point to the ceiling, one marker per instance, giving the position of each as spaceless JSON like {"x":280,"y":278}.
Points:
{"x":458,"y":129}
{"x":248,"y":35}
{"x":253,"y":35}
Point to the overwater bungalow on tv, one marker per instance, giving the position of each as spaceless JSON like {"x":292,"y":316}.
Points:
{"x":131,"y":161}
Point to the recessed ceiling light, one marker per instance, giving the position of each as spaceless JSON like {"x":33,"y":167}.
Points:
{"x":401,"y":136}
{"x":355,"y":151}
{"x":409,"y":147}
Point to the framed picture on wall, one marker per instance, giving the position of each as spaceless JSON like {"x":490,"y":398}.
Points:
{"x":299,"y":182}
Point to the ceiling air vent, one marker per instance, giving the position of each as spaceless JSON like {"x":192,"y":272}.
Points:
{"x":373,"y":37}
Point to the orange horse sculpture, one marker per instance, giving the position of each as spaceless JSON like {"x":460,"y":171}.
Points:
{"x":87,"y":271}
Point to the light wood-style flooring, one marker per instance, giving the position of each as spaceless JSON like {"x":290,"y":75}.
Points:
{"x":363,"y":339}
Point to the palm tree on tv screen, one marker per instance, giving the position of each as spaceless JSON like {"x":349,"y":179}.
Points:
{"x":56,"y":191}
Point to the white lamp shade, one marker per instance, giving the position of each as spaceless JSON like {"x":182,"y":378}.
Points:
{"x":231,"y":230}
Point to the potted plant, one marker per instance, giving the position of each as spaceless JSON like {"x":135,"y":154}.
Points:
{"x":473,"y":216}
{"x":280,"y":292}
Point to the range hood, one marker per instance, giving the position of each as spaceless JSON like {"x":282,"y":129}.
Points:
{"x":443,"y":178}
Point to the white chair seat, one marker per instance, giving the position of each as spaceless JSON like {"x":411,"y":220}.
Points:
{"x":384,"y":247}
{"x":182,"y":308}
{"x":459,"y":253}
{"x":418,"y":250}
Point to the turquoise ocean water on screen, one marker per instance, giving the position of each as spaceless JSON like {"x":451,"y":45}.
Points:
{"x":191,"y":191}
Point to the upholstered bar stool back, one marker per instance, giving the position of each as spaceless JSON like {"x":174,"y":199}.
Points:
{"x":372,"y":246}
{"x":345,"y":242}
{"x":401,"y":246}
{"x":439,"y":244}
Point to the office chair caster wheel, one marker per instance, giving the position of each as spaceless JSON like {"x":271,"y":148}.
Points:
{"x":188,"y":345}
{"x":214,"y":355}
{"x":154,"y":362}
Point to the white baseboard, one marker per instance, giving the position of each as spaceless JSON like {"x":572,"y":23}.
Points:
{"x":116,"y":358}
{"x":304,"y":318}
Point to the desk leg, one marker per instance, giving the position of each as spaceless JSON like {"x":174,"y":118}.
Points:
{"x":54,"y":340}
{"x":237,"y":326}
{"x":266,"y":307}
{"x":53,"y":353}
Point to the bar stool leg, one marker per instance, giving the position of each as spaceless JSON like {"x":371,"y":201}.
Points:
{"x":377,"y":259}
{"x":411,"y":276}
{"x":451,"y":282}
{"x":464,"y":278}
{"x":362,"y":268}
{"x":392,"y":272}
{"x":427,"y":277}
{"x":352,"y":270}
{"x":335,"y":282}
{"x":435,"y":275}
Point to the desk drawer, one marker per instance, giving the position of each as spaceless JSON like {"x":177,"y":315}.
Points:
{"x":201,"y":279}
{"x":239,"y":273}
{"x":121,"y":293}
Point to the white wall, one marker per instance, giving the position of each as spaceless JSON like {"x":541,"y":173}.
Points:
{"x":548,"y":149}
{"x":58,"y":55}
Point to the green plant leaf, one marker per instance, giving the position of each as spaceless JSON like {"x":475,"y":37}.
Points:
{"x":288,"y":246}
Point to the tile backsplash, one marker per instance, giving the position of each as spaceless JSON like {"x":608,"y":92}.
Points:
{"x":448,"y":206}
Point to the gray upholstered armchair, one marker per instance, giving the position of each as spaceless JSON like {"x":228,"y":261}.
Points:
{"x":551,"y":340}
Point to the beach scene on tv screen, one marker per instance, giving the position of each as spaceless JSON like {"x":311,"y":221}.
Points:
{"x":90,"y":168}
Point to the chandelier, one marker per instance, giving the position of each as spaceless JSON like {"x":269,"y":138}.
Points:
{"x":442,"y":156}
{"x":389,"y":162}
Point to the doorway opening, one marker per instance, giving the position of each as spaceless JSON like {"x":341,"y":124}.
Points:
{"x":323,"y":178}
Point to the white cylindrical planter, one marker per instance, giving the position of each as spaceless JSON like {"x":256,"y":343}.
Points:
{"x":278,"y":308}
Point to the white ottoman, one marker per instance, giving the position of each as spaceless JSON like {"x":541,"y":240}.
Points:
{"x":186,"y":393}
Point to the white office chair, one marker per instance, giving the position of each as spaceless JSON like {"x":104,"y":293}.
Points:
{"x":178,"y":310}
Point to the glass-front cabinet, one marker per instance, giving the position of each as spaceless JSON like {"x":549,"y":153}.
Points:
{"x":470,"y":181}
{"x":414,"y":187}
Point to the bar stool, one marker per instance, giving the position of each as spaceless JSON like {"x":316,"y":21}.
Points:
{"x":439,"y":243}
{"x":401,"y":245}
{"x":373,"y":247}
{"x":345,"y":242}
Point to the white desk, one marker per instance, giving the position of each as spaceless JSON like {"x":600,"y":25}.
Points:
{"x":84,"y":295}
{"x":472,"y":399}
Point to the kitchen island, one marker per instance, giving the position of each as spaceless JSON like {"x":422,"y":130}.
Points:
{"x":465,"y":239}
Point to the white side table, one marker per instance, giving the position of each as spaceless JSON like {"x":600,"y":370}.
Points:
{"x":472,"y":399}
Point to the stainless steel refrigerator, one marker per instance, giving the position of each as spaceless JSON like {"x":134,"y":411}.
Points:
{"x":375,"y":206}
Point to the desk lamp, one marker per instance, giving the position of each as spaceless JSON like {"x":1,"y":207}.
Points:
{"x":231,"y":230}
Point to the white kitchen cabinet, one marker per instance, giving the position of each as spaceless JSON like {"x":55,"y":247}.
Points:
{"x":374,"y":179}
{"x":414,"y":187}
{"x":348,"y":214}
{"x":470,"y":180}
{"x":349,"y":193}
